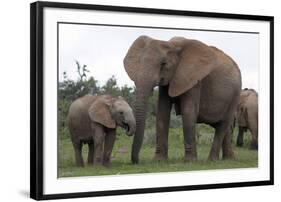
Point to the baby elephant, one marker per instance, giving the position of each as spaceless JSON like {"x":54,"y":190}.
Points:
{"x":247,"y":116}
{"x":93,"y":120}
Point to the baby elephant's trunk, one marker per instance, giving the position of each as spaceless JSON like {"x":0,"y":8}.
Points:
{"x":131,"y":122}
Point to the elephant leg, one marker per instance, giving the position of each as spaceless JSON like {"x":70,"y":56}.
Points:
{"x":254,"y":132}
{"x":91,"y":153}
{"x":189,"y":137}
{"x":162,"y":123}
{"x":222,"y":129}
{"x":98,"y":144}
{"x":190,"y":108}
{"x":78,"y":153}
{"x":108,"y":146}
{"x":240,"y":137}
{"x":227,"y":151}
{"x":223,"y":135}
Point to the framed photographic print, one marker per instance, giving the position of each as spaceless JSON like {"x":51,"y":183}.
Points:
{"x":136,"y":100}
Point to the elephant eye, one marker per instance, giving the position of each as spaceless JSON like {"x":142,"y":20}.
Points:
{"x":121,"y":113}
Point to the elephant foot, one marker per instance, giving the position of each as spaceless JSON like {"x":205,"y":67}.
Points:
{"x":160,"y":157}
{"x":190,"y":158}
{"x":213,"y":157}
{"x":190,"y":153}
{"x":90,"y":163}
{"x":80,"y":165}
{"x":134,"y":159}
{"x":239,"y":144}
{"x":98,"y":162}
{"x":228,"y":155}
{"x":254,"y":145}
{"x":107,"y":164}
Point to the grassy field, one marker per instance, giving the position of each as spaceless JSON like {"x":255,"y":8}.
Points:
{"x":121,"y":164}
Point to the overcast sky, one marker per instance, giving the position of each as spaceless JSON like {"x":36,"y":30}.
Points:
{"x":102,"y":49}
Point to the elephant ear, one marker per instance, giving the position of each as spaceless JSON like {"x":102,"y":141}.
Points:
{"x":197,"y":60}
{"x":132,"y":58}
{"x":100,"y":112}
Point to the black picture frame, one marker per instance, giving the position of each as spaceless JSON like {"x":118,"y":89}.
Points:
{"x":36,"y":98}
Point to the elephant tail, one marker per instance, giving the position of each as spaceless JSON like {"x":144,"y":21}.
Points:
{"x":242,"y":116}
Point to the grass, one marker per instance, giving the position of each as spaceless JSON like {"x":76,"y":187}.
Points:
{"x":121,"y":163}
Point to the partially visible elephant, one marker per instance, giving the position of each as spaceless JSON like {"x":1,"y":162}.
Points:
{"x":93,"y":120}
{"x":202,"y":81}
{"x":247,"y":116}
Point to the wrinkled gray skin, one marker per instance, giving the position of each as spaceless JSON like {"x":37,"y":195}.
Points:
{"x":201,"y":81}
{"x":247,"y":117}
{"x":93,"y":120}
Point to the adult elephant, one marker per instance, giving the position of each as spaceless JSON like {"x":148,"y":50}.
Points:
{"x":202,"y":81}
{"x":247,"y":116}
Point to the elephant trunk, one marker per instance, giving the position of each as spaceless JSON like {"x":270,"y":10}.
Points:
{"x":140,"y":108}
{"x":132,"y":124}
